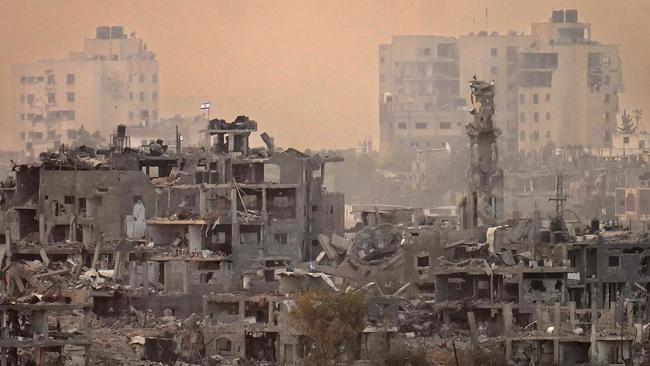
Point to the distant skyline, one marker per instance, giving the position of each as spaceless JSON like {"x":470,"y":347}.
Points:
{"x":306,"y":71}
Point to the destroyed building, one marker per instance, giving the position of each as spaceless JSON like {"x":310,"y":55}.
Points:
{"x":559,"y":87}
{"x":256,"y":210}
{"x":547,"y":289}
{"x":483,"y":204}
{"x":198,"y":255}
{"x":113,"y":77}
{"x":227,"y":217}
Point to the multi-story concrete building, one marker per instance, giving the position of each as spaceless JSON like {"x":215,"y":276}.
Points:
{"x":113,"y":79}
{"x":568,"y":86}
{"x":248,"y":211}
{"x":494,"y":58}
{"x":419,"y":94}
{"x":554,"y":87}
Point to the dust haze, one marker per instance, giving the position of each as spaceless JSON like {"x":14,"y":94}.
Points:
{"x":306,"y":70}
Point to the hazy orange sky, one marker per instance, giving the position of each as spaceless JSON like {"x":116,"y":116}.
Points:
{"x":305,"y":70}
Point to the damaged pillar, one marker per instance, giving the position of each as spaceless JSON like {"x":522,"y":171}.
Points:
{"x":265,"y":216}
{"x":42,"y":236}
{"x":72,"y":234}
{"x":593,"y":349}
{"x":630,"y":317}
{"x":472,"y":328}
{"x":538,"y":316}
{"x":507,"y":329}
{"x":202,"y":202}
{"x":8,"y":252}
{"x":556,"y":334}
{"x":491,"y":287}
{"x":4,"y":334}
{"x":86,"y":327}
{"x":38,"y":320}
{"x":231,"y":142}
{"x":572,"y":315}
{"x":446,"y":317}
{"x":96,"y":255}
{"x":117,"y":266}
{"x":235,"y":236}
{"x":242,"y":309}
{"x":145,"y":280}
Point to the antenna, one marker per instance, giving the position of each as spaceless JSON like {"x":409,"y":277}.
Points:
{"x":487,"y":29}
{"x":639,"y":122}
{"x":179,"y":141}
{"x":560,"y":198}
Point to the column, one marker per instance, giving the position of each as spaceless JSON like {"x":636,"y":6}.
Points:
{"x":507,"y":329}
{"x":557,"y":334}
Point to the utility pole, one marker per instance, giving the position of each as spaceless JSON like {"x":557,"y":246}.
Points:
{"x":560,"y":198}
{"x":637,"y":116}
{"x":178,"y":148}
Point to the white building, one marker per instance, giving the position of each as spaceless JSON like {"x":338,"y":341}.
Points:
{"x":419,"y":94}
{"x":569,"y":86}
{"x":555,"y":87}
{"x":494,"y":57}
{"x":113,"y":79}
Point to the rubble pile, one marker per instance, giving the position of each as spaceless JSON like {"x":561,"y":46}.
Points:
{"x":200,"y":257}
{"x":82,"y":157}
{"x":419,"y":318}
{"x":122,"y":339}
{"x":36,"y":282}
{"x":376,"y":243}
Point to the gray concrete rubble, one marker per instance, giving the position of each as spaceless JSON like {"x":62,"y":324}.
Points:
{"x":174,"y":255}
{"x":149,"y":230}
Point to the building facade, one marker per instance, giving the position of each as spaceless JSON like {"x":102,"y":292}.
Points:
{"x":113,"y":79}
{"x":494,"y":58}
{"x":569,"y":86}
{"x":554,"y":87}
{"x":420,"y":105}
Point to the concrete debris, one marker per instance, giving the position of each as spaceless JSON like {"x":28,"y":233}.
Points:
{"x":377,"y":243}
{"x":223,"y":219}
{"x":151,"y":255}
{"x":137,"y":340}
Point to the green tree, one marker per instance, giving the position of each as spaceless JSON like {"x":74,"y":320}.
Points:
{"x":332,"y":322}
{"x":626,"y":127}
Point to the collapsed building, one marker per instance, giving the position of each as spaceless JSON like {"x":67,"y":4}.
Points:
{"x":128,"y":222}
{"x":197,"y":256}
{"x":544,"y":290}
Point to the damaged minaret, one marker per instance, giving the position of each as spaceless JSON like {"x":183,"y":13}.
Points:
{"x":483,"y":203}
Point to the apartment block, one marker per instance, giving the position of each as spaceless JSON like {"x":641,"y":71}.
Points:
{"x":569,"y":86}
{"x":420,"y":105}
{"x":113,"y":79}
{"x":554,"y":87}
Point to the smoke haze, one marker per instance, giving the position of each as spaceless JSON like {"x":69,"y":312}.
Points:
{"x":305,"y":70}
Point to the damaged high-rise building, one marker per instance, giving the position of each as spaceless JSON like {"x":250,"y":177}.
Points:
{"x":420,"y":103}
{"x":225,"y":217}
{"x":113,"y":79}
{"x":556,"y":87}
{"x":569,"y":86}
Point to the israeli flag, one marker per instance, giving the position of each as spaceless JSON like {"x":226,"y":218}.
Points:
{"x":205,"y":105}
